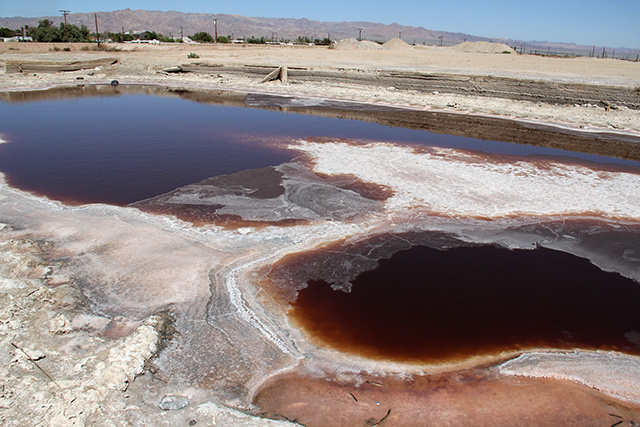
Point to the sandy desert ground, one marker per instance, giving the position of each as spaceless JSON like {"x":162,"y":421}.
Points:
{"x":113,"y":316}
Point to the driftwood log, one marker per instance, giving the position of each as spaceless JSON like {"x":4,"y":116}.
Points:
{"x":14,"y":66}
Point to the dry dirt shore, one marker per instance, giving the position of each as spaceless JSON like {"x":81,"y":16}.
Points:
{"x":604,"y":93}
{"x":63,"y":364}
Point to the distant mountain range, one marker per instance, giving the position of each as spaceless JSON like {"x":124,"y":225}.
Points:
{"x":174,"y":23}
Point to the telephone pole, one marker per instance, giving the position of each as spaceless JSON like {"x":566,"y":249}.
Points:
{"x":215,"y":31}
{"x":97,"y":33}
{"x":66,"y":30}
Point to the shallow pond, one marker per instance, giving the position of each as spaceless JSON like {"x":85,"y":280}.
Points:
{"x":130,"y":146}
{"x":423,"y":302}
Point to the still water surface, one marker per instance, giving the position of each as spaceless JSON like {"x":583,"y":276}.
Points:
{"x":432,"y":305}
{"x":122,"y":149}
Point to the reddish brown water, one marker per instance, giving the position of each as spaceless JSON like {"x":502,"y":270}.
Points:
{"x":127,"y":148}
{"x":424,"y":304}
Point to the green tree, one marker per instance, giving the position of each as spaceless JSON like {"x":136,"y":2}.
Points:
{"x":149,"y":35}
{"x":6,"y":32}
{"x":202,"y":37}
{"x":302,"y":39}
{"x":120,"y":37}
{"x":224,"y":39}
{"x":74,"y":33}
{"x":45,"y":32}
{"x":254,"y":40}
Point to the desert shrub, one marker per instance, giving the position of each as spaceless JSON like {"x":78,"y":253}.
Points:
{"x":202,"y":37}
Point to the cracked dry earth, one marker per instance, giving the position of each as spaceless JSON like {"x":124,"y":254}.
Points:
{"x":175,"y":310}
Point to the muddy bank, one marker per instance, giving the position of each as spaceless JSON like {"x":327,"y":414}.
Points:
{"x":477,"y":396}
{"x":557,"y":93}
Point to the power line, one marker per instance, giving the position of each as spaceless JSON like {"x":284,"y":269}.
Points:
{"x":66,"y":30}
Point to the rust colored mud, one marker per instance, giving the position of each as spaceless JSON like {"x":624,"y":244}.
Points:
{"x":476,"y":397}
{"x":432,"y":305}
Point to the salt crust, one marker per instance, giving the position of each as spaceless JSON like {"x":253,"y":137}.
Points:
{"x":615,"y":374}
{"x":459,"y":183}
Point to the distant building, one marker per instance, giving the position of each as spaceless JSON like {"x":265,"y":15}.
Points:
{"x":16,"y":39}
{"x":154,"y":41}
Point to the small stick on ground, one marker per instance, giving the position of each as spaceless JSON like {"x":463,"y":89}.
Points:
{"x":354,"y":398}
{"x":36,"y":364}
{"x":383,"y":418}
{"x":374,"y":383}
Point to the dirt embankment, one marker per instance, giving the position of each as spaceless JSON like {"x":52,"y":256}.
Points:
{"x":555,"y":93}
{"x":578,"y":91}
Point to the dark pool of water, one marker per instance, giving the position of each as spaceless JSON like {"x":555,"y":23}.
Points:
{"x":426,"y":304}
{"x":122,"y":149}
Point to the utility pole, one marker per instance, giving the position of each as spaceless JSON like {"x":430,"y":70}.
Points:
{"x":181,"y":34}
{"x":97,"y":33}
{"x":66,"y":30}
{"x":215,"y":30}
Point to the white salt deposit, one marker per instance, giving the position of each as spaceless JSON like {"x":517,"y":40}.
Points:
{"x":458,"y":183}
{"x":483,"y":47}
{"x":350,"y":44}
{"x":612,"y":373}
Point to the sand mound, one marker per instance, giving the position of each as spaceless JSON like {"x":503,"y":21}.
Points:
{"x":483,"y":47}
{"x":397,"y":44}
{"x":350,"y":44}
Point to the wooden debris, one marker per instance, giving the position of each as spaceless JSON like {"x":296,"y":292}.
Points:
{"x":279,"y":73}
{"x":36,"y":364}
{"x":271,"y":66}
{"x":20,"y":66}
{"x":354,"y":398}
{"x":383,"y":418}
{"x":200,"y":67}
{"x":374,"y":383}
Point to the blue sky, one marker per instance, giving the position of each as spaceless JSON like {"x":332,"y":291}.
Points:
{"x":613,"y":23}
